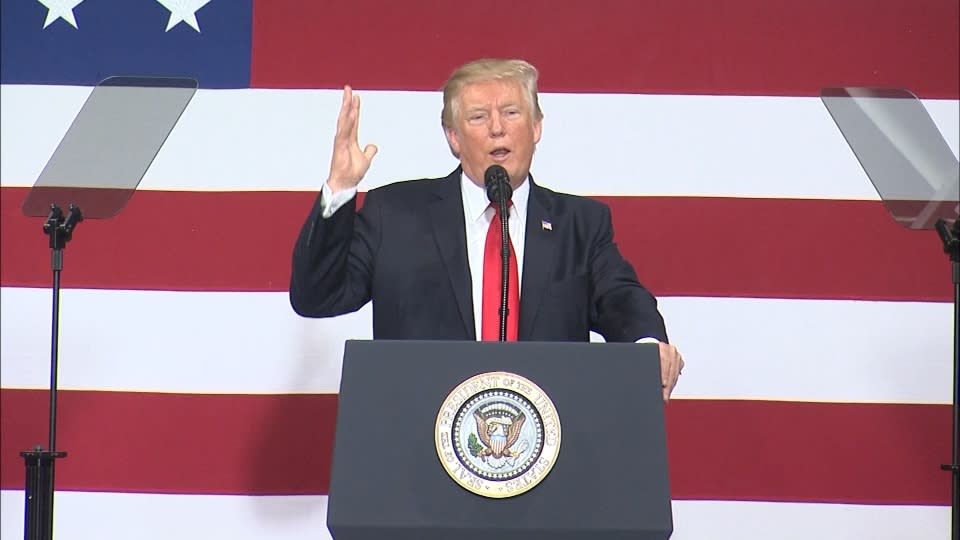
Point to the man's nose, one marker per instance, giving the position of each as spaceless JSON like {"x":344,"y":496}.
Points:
{"x":496,"y":125}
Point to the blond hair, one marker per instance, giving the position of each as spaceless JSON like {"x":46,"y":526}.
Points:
{"x":489,"y":69}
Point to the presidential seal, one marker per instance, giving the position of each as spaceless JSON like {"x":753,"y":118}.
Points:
{"x":497,"y":434}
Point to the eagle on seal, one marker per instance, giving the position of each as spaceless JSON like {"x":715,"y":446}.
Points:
{"x":498,"y":434}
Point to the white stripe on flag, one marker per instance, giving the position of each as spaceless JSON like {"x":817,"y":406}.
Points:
{"x":593,"y":144}
{"x":148,"y":517}
{"x":85,"y":516}
{"x":737,"y":348}
{"x":736,"y":520}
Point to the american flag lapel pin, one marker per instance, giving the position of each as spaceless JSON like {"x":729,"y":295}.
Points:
{"x":546,"y":225}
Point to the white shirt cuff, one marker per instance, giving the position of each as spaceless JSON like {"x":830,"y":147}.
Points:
{"x":647,"y":340}
{"x":330,"y":202}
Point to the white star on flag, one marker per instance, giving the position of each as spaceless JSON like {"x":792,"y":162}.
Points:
{"x":60,"y":9}
{"x":183,"y":11}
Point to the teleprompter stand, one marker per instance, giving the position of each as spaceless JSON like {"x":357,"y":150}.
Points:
{"x":38,"y":520}
{"x":93,"y":173}
{"x":951,"y":246}
{"x":918,"y":177}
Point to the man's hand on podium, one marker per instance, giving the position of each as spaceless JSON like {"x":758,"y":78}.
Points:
{"x":671,"y":364}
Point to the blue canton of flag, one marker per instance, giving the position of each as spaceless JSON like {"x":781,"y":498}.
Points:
{"x":78,"y":42}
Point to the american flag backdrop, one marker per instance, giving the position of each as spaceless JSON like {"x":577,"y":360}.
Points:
{"x":196,"y":404}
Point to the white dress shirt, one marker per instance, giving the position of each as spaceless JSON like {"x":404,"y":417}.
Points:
{"x":477,"y":214}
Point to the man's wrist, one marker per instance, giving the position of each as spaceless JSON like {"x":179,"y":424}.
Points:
{"x":331,"y":200}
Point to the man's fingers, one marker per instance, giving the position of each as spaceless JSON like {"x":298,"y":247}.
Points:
{"x":675,"y":365}
{"x":370,"y":151}
{"x":354,"y":118}
{"x":671,"y":364}
{"x":675,"y":369}
{"x":349,"y":117}
{"x":669,"y":360}
{"x":665,"y":370}
{"x":342,"y":118}
{"x":664,"y":363}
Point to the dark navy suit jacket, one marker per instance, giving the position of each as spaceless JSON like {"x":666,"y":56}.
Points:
{"x":406,"y":251}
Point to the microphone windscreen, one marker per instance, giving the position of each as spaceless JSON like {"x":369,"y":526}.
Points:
{"x":497,"y":182}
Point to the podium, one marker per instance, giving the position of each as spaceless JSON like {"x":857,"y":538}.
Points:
{"x":507,"y":440}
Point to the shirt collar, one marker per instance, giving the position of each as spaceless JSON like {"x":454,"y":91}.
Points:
{"x":475,"y":201}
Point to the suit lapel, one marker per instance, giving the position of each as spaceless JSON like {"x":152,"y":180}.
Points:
{"x":446,"y":213}
{"x":538,"y":256}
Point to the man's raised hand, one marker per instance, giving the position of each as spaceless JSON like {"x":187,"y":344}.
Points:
{"x":349,"y":163}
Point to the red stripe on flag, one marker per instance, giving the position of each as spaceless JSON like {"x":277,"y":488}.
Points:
{"x":866,"y":453}
{"x":243,"y":241}
{"x":281,"y":444}
{"x":747,"y":47}
{"x":174,"y":443}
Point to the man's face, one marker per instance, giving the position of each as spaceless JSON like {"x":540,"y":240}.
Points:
{"x":494,"y":123}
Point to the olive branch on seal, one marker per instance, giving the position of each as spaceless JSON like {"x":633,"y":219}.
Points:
{"x":473,"y":445}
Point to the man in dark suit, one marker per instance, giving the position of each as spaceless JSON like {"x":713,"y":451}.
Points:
{"x":427,"y":252}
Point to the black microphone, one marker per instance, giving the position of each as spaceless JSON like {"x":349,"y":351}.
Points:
{"x":499,"y":192}
{"x":498,"y":184}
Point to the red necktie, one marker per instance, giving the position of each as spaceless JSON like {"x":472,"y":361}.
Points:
{"x":492,"y":287}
